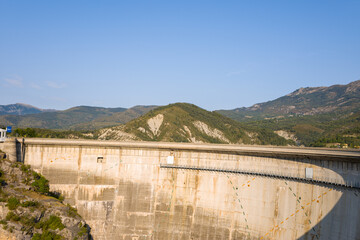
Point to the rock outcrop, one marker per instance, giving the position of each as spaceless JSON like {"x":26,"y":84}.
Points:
{"x":28,"y":210}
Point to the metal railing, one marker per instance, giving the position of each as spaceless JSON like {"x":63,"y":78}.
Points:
{"x":270,"y":174}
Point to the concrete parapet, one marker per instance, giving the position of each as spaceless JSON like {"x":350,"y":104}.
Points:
{"x":253,"y":150}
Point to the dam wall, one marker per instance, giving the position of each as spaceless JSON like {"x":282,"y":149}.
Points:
{"x":168,"y":191}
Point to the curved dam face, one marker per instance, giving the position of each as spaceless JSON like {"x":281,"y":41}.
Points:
{"x":185,"y":191}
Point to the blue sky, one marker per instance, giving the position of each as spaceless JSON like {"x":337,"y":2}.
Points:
{"x":215,"y":54}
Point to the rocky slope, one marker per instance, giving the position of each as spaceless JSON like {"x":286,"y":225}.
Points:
{"x":182,"y":122}
{"x":29,"y":211}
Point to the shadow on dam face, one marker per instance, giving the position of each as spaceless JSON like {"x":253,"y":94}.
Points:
{"x":343,"y":220}
{"x":124,"y":193}
{"x":332,"y":225}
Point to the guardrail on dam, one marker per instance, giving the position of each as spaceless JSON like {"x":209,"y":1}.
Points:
{"x":142,"y":190}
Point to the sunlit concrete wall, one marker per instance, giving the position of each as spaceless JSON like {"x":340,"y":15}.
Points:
{"x":121,"y":191}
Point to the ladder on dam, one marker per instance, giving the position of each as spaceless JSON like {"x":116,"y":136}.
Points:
{"x":327,"y":181}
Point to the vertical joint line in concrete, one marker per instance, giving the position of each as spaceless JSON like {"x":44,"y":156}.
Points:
{"x":238,"y":198}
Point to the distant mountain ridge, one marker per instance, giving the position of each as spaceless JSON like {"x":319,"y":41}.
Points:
{"x":21,"y":109}
{"x":76,"y":118}
{"x":303,"y":101}
{"x":317,"y":116}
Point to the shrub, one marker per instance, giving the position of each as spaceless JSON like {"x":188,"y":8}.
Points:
{"x":36,"y":175}
{"x":41,"y":184}
{"x":27,"y":221}
{"x":46,"y":235}
{"x":11,"y":216}
{"x":72,"y":212}
{"x":53,"y":223}
{"x":13,"y":203}
{"x":83,"y":230}
{"x":57,"y":195}
{"x":30,"y":204}
{"x":25,"y":168}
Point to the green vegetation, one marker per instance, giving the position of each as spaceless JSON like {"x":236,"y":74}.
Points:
{"x":46,"y":235}
{"x":53,"y":223}
{"x":41,"y":184}
{"x":304,"y":101}
{"x":30,"y":204}
{"x":317,"y":130}
{"x":183,"y":121}
{"x":11,"y":216}
{"x":72,"y":212}
{"x":47,"y":133}
{"x":28,"y":222}
{"x":316,"y":116}
{"x":76,"y":118}
{"x":33,"y":215}
{"x":342,"y":141}
{"x":83,"y":230}
{"x":319,"y":117}
{"x":13,"y":203}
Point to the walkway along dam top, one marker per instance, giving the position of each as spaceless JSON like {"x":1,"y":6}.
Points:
{"x":328,"y":153}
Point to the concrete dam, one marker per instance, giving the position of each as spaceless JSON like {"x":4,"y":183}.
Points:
{"x":151,"y":190}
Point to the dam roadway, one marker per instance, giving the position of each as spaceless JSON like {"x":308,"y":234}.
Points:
{"x":152,"y":190}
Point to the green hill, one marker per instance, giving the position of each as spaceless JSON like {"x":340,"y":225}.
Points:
{"x":183,"y":122}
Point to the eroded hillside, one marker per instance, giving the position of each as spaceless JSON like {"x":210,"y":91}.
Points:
{"x":182,"y":122}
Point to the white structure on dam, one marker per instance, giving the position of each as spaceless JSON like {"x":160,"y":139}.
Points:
{"x":166,"y":191}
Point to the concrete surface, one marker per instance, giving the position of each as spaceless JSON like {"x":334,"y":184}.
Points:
{"x":121,"y":191}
